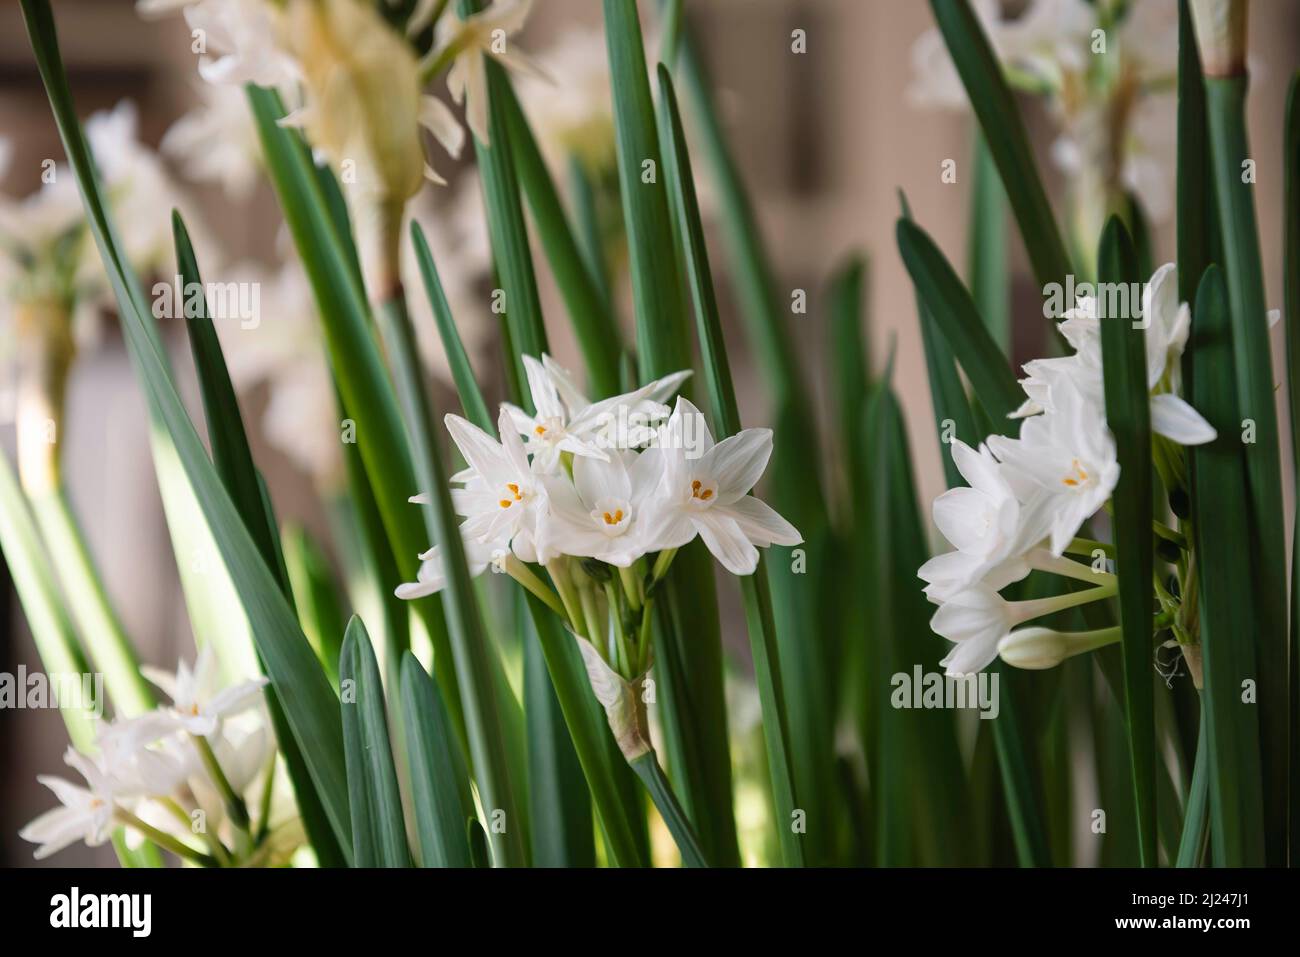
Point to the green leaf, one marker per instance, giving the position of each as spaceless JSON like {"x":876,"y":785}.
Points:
{"x":692,"y":703}
{"x":661,"y":792}
{"x":367,"y":393}
{"x":315,"y":595}
{"x":952,"y":412}
{"x":1197,"y":225}
{"x":940,"y":291}
{"x":438,"y":775}
{"x":308,"y":700}
{"x":33,"y":578}
{"x":1128,"y":414}
{"x":559,"y":802}
{"x":462,"y":373}
{"x":97,"y":621}
{"x":1220,"y":496}
{"x":1226,"y":105}
{"x":378,"y":824}
{"x":587,"y":307}
{"x":1004,"y":132}
{"x":986,"y":250}
{"x":233,"y":462}
{"x":1191,"y":847}
{"x":662,"y":335}
{"x":505,"y":216}
{"x":758,"y":608}
{"x":472,"y":652}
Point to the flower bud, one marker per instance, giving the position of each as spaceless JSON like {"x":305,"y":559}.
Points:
{"x":1037,"y":649}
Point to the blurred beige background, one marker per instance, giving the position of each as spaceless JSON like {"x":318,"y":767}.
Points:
{"x":824,"y":139}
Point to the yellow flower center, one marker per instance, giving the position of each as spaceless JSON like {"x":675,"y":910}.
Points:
{"x":516,"y":495}
{"x":615,"y":518}
{"x":700,"y":492}
{"x":1076,"y":476}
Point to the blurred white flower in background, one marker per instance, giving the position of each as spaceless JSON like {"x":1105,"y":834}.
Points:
{"x":1107,"y":84}
{"x":217,"y":141}
{"x":571,"y":110}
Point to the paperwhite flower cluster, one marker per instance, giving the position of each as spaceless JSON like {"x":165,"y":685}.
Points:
{"x":357,"y":82}
{"x":1028,"y":496}
{"x":169,"y":775}
{"x":608,"y":480}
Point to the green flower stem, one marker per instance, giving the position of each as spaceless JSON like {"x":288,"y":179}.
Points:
{"x":1086,"y":546}
{"x":664,"y":559}
{"x":633,"y":587}
{"x":568,"y":593}
{"x":1038,"y":607}
{"x":235,"y":805}
{"x":643,"y":638}
{"x":626,"y":660}
{"x":526,"y":577}
{"x":163,"y":839}
{"x":1072,"y":569}
{"x":264,"y":806}
{"x":218,"y":849}
{"x":440,"y":61}
{"x":591,"y":618}
{"x":652,"y":776}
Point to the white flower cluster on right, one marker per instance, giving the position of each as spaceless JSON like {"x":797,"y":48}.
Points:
{"x":1028,"y":496}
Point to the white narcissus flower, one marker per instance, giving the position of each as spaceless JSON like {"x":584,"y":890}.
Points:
{"x":243,"y":42}
{"x":500,"y":502}
{"x":199,"y":703}
{"x":567,"y":421}
{"x":709,"y":495}
{"x":364,"y":107}
{"x":1069,"y":455}
{"x":608,"y":512}
{"x":474,"y":39}
{"x":986,"y":523}
{"x":1167,"y":323}
{"x":217,"y":141}
{"x":85,"y":814}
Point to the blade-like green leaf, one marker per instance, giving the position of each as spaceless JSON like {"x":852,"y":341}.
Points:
{"x":559,"y":802}
{"x":940,"y":291}
{"x":1128,"y":414}
{"x":438,"y":776}
{"x":952,"y":412}
{"x":378,"y":825}
{"x":589,"y":311}
{"x":758,"y":609}
{"x":1197,"y":224}
{"x":308,"y":700}
{"x":1234,"y":191}
{"x":315,"y":595}
{"x":97,"y":621}
{"x":462,"y":373}
{"x":233,"y":462}
{"x":692,"y":701}
{"x":1191,"y":847}
{"x":363,"y":384}
{"x":1229,"y":617}
{"x":1004,"y":132}
{"x":505,"y":215}
{"x":33,"y":578}
{"x":471,"y":651}
{"x":986,"y":249}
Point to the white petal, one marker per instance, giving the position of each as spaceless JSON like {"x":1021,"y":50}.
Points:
{"x":1173,"y":418}
{"x":761,"y":523}
{"x":438,"y":119}
{"x":729,"y":545}
{"x":737,"y":462}
{"x":480,"y":450}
